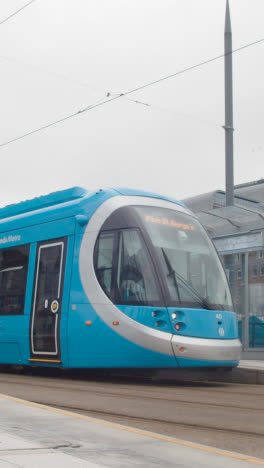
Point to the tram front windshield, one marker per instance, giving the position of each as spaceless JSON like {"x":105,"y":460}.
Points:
{"x":189,"y":263}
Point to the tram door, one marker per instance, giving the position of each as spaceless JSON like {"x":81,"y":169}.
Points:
{"x":47,"y":299}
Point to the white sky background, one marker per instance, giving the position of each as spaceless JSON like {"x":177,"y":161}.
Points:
{"x":58,"y":56}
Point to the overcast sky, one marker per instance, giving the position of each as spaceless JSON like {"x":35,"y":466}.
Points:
{"x":59,"y":56}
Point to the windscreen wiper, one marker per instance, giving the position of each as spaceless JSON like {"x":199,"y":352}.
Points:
{"x":172,"y":273}
{"x":202,"y":300}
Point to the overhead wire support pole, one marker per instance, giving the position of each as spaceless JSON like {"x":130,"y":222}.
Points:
{"x":228,"y":127}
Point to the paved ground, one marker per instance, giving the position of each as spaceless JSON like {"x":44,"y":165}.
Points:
{"x":226,"y":416}
{"x":36,"y":436}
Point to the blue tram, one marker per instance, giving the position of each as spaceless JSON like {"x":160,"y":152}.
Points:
{"x":117,"y":278}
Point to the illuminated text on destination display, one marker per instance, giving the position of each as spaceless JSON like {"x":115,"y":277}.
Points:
{"x":169,"y":222}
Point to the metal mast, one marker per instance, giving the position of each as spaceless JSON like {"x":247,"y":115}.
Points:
{"x":229,"y":168}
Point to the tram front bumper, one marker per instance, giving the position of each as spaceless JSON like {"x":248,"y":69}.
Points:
{"x":206,"y":349}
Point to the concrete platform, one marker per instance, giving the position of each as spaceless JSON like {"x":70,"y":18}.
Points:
{"x":248,"y":364}
{"x":248,"y":372}
{"x":33,"y":435}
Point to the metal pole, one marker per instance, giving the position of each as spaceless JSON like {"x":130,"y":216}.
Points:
{"x":228,"y":111}
{"x":245,"y":329}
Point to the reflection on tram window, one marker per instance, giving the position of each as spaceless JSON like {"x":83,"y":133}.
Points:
{"x":13,"y":277}
{"x":135,"y":280}
{"x":49,"y":271}
{"x":104,"y":261}
{"x":123,"y":268}
{"x":188,"y":261}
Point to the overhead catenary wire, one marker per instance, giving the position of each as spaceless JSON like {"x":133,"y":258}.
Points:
{"x":172,"y":111}
{"x":84,"y":84}
{"x":119,"y":96}
{"x":92,"y":87}
{"x":16,"y":12}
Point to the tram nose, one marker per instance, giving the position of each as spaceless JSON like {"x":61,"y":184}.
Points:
{"x":203,"y":323}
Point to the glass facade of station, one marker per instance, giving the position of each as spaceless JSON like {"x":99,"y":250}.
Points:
{"x":238,"y":235}
{"x":245,"y":272}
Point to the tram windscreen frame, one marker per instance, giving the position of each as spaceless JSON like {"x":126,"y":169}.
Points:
{"x":189,"y":263}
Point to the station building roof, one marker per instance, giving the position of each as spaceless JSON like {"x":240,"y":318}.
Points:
{"x":246,"y":215}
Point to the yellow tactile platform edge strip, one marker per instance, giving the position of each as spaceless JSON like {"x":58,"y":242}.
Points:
{"x":137,"y":431}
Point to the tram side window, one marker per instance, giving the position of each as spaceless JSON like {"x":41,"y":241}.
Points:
{"x":135,"y":280}
{"x":104,"y":261}
{"x":13,"y":278}
{"x":123,"y":268}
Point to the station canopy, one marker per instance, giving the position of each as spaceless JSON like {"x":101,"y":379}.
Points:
{"x":231,"y":220}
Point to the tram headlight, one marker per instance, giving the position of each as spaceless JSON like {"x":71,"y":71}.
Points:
{"x":174,"y":315}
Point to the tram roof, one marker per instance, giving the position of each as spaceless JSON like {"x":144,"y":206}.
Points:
{"x":63,"y":203}
{"x":44,"y":201}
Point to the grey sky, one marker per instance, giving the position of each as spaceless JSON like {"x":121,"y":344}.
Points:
{"x":58,"y":56}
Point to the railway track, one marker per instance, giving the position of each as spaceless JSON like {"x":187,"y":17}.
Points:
{"x":227,"y":416}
